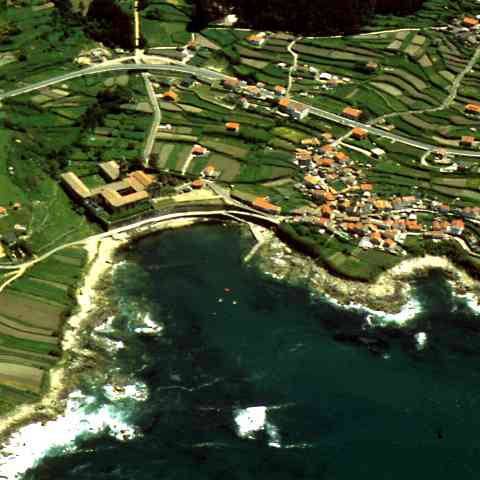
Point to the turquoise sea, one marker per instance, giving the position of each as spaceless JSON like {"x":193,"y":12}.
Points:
{"x":246,"y":377}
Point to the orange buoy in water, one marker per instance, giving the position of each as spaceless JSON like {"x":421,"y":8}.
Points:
{"x":226,"y":289}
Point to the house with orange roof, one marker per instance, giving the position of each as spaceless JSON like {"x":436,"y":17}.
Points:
{"x":473,"y":108}
{"x":3,"y":211}
{"x":232,"y":127}
{"x":366,"y":187}
{"x":231,"y":83}
{"x":199,"y":151}
{"x":280,"y":90}
{"x":389,"y":244}
{"x":257,"y":39}
{"x":376,"y":238}
{"x":456,"y":227}
{"x":444,"y":208}
{"x":321,"y":221}
{"x":329,"y":197}
{"x":359,"y":133}
{"x":467,"y":141}
{"x":263,"y":204}
{"x":324,"y":162}
{"x":352,"y":113}
{"x":328,"y":150}
{"x":341,"y":157}
{"x":209,"y":171}
{"x":470,"y":22}
{"x":326,"y":211}
{"x":197,"y":183}
{"x":296,"y":109}
{"x":413,"y":226}
{"x":170,"y":96}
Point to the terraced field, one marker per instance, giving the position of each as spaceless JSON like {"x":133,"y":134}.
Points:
{"x":33,"y":310}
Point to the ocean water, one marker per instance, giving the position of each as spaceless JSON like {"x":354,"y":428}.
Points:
{"x":234,"y":375}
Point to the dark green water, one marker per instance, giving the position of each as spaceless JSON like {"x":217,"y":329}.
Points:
{"x":342,"y":401}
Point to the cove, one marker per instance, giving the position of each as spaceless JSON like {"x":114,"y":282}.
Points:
{"x":251,"y":378}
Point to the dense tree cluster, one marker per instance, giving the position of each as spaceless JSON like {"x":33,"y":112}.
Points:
{"x":313,"y":17}
{"x":108,"y":101}
{"x":109,"y":24}
{"x":104,"y":22}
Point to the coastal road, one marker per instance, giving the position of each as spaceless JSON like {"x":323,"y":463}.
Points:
{"x":142,"y":223}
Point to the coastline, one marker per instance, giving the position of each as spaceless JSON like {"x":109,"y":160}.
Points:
{"x":61,"y":381}
{"x":390,"y":296}
{"x":52,"y":403}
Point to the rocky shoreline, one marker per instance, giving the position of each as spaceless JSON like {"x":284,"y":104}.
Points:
{"x":80,"y":357}
{"x":390,"y":295}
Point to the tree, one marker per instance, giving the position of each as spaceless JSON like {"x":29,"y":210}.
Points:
{"x":301,"y":16}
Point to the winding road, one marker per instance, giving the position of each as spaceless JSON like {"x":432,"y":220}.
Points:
{"x":213,"y":75}
{"x":453,"y":91}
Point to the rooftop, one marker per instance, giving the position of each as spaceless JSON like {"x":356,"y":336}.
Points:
{"x":111,"y":169}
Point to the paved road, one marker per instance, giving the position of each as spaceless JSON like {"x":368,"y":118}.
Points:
{"x":205,"y":73}
{"x":157,"y":118}
{"x":392,"y":136}
{"x":142,"y":223}
{"x":294,"y":64}
{"x":453,"y":91}
{"x":179,"y":68}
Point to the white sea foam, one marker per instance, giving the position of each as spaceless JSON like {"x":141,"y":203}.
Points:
{"x":82,"y":418}
{"x":377,"y":317}
{"x":421,"y":340}
{"x":149,"y":326}
{"x":118,"y":265}
{"x":107,"y":326}
{"x":137,"y":391}
{"x":472,"y":301}
{"x":251,"y":420}
{"x":109,"y":344}
{"x":273,"y":433}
